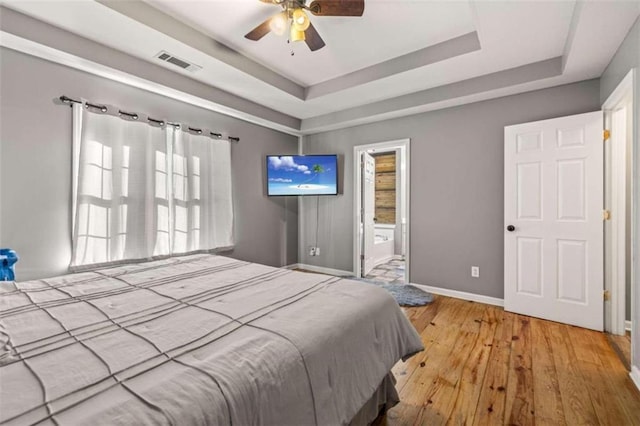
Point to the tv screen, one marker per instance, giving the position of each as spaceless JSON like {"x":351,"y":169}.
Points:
{"x":302,"y":175}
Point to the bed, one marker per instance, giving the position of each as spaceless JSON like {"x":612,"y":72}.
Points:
{"x":198,"y":340}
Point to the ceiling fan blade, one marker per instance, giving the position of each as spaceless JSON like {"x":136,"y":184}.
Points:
{"x":313,"y":39}
{"x":260,"y":31}
{"x":337,"y":7}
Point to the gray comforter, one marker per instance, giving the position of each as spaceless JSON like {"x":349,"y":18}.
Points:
{"x":200,"y":339}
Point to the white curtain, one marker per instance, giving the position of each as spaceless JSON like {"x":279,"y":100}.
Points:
{"x":202,"y":207}
{"x":142,"y":191}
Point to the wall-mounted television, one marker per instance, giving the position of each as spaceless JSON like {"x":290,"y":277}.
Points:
{"x":302,"y":175}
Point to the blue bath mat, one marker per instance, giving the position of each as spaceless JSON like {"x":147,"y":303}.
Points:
{"x":405,"y":294}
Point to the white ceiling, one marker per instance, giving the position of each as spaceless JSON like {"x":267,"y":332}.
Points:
{"x":388,"y":29}
{"x":400,"y":57}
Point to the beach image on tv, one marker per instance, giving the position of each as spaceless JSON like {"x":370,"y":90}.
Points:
{"x":302,"y":175}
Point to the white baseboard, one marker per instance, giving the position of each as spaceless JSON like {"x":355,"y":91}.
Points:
{"x":292,"y":266}
{"x":635,"y":376}
{"x":461,"y":295}
{"x":435,"y":290}
{"x":627,"y":325}
{"x":320,"y":269}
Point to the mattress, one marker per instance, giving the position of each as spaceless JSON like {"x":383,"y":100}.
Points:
{"x":201,"y":339}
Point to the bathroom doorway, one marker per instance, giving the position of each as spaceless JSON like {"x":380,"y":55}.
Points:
{"x":381,"y":201}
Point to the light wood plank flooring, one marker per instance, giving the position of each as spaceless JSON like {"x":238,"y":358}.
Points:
{"x":622,"y":346}
{"x":485,"y":366}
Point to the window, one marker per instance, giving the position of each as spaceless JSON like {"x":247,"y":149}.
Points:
{"x":101,"y":230}
{"x":143,"y":191}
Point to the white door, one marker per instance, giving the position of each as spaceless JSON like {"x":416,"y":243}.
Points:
{"x":553,"y":237}
{"x":368,"y":213}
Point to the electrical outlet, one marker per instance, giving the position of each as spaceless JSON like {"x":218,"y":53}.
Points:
{"x":317,"y":251}
{"x":475,"y":271}
{"x":312,"y":251}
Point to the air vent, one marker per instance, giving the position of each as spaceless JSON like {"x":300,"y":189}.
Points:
{"x":167,"y":57}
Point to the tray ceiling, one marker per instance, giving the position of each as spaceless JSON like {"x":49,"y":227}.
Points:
{"x":400,"y":57}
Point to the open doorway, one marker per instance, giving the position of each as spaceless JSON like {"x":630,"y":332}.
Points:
{"x":381,"y":200}
{"x":619,"y":166}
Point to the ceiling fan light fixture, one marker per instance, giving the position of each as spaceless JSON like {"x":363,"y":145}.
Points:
{"x":296,"y":35}
{"x":300,"y":20}
{"x":278,"y":24}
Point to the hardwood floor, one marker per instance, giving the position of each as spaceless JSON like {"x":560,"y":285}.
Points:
{"x":622,"y":346}
{"x":484,"y":366}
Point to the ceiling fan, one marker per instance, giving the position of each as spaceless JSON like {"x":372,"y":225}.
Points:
{"x":294,"y":18}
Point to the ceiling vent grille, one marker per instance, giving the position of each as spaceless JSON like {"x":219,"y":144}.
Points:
{"x":167,"y":57}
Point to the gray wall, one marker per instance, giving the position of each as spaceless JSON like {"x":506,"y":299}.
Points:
{"x":457,"y":175}
{"x":626,"y":58}
{"x":48,"y":35}
{"x":35,"y":165}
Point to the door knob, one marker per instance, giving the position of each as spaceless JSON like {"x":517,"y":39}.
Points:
{"x":511,"y":228}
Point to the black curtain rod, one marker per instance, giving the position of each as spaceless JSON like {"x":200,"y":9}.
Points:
{"x":103,"y":108}
{"x":132,"y":116}
{"x":158,"y":122}
{"x":67,"y":100}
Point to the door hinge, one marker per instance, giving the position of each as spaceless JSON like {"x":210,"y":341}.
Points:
{"x":606,"y":134}
{"x":606,"y":295}
{"x":362,"y":257}
{"x":606,"y":215}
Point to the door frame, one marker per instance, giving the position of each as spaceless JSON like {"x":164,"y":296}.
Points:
{"x":405,"y":147}
{"x":615,"y":196}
